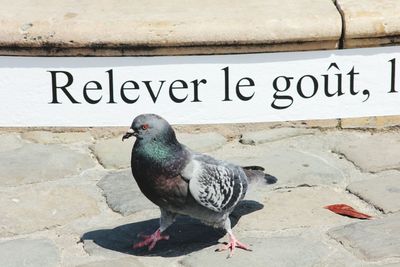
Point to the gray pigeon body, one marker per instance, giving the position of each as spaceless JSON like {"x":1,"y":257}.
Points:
{"x":181,"y":181}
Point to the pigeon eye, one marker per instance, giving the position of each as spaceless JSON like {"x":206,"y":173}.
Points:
{"x":145,"y":126}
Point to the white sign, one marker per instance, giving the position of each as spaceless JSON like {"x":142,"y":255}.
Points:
{"x":43,"y":91}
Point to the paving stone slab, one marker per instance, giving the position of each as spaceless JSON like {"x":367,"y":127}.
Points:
{"x":370,"y":20}
{"x":260,"y":137}
{"x":295,"y":208}
{"x":10,"y":142}
{"x":122,"y":193}
{"x":158,"y":24}
{"x":113,"y":153}
{"x":186,"y":235}
{"x":371,"y":240}
{"x":124,"y":262}
{"x":390,"y":265}
{"x":273,"y":251}
{"x":34,"y":163}
{"x":380,"y":122}
{"x":292,"y":167}
{"x":39,"y":207}
{"x":371,"y":152}
{"x":383,"y":192}
{"x":202,"y":142}
{"x":372,"y":42}
{"x":46,"y":137}
{"x":29,"y":253}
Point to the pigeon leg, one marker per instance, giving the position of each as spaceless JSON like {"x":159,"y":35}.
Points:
{"x":166,"y":219}
{"x":233,"y":242}
{"x":151,"y":240}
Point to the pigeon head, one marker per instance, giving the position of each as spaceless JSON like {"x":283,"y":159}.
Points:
{"x":151,"y":127}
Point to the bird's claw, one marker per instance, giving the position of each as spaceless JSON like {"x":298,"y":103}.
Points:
{"x":231,"y":245}
{"x":150,"y":240}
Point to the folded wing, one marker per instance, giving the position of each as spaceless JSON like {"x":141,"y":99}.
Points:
{"x":214,"y":184}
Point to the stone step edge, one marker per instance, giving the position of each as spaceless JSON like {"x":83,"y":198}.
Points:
{"x":69,"y":48}
{"x":372,"y":123}
{"x":153,"y":50}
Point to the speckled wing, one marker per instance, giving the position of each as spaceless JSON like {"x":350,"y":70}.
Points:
{"x":215,"y":184}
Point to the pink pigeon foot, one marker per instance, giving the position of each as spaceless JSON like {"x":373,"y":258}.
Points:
{"x":232,"y":244}
{"x":150,"y":240}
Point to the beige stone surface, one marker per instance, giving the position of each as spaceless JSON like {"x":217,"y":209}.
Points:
{"x":371,"y":152}
{"x":34,"y":208}
{"x":76,"y":214}
{"x":202,"y":142}
{"x":34,"y":163}
{"x":123,"y":262}
{"x":354,"y":123}
{"x":113,"y":153}
{"x":372,"y":42}
{"x":371,"y":122}
{"x":298,"y":208}
{"x":387,"y":121}
{"x":383,"y":191}
{"x":290,"y":160}
{"x":321,"y":123}
{"x":145,"y":26}
{"x":371,"y":240}
{"x":47,"y":137}
{"x":10,"y":142}
{"x":370,"y":19}
{"x":274,"y":251}
{"x":271,"y":135}
{"x":28,"y":253}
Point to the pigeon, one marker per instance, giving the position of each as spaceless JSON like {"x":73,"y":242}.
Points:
{"x":183,"y":182}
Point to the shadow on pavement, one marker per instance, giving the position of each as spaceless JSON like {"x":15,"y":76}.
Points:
{"x":186,"y":234}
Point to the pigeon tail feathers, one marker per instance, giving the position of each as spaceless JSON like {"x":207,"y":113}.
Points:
{"x":256,"y":174}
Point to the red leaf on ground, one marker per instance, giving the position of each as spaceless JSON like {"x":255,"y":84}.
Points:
{"x":346,"y":210}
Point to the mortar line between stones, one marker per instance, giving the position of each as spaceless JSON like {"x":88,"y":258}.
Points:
{"x":339,"y":125}
{"x":343,"y":30}
{"x":292,"y":187}
{"x":347,"y":246}
{"x":353,"y":193}
{"x":93,"y":154}
{"x":366,"y":201}
{"x":359,"y":168}
{"x":340,"y":154}
{"x":14,"y":235}
{"x":106,"y":201}
{"x":45,"y":182}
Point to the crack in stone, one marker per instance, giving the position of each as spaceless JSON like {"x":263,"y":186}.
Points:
{"x":347,"y":246}
{"x":293,"y":187}
{"x":366,"y":201}
{"x":377,"y":208}
{"x":103,"y":195}
{"x":343,"y":156}
{"x":93,"y":154}
{"x":254,"y":143}
{"x":12,"y":234}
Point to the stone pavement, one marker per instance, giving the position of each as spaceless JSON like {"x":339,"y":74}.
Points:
{"x":68,"y":199}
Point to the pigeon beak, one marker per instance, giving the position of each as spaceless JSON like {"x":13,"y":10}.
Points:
{"x":129,"y":133}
